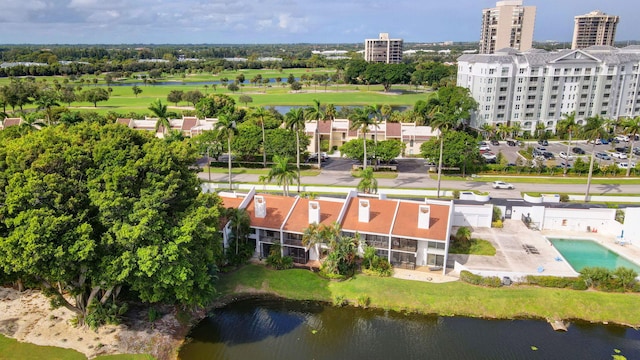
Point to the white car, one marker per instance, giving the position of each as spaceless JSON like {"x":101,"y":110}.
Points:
{"x":501,"y":185}
{"x":624,"y":138}
{"x":619,"y":155}
{"x":625,"y":165}
{"x":563,"y":155}
{"x":489,"y":156}
{"x":484,"y":148}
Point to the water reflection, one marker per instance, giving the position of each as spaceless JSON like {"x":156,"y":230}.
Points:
{"x":276,"y":329}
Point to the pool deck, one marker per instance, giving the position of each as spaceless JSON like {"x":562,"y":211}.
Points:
{"x":512,"y":257}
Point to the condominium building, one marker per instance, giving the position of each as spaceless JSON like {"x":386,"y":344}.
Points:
{"x":383,"y":50}
{"x":536,"y":86}
{"x":594,"y":28}
{"x":508,"y":25}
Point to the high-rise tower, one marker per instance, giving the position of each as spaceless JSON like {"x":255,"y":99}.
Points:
{"x":594,"y":28}
{"x":509,"y":24}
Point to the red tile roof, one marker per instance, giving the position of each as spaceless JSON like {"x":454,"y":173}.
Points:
{"x":123,"y":121}
{"x":324,"y":127}
{"x":12,"y":122}
{"x":380,"y":216}
{"x":188,"y":123}
{"x":277,"y":210}
{"x":394,"y":130}
{"x":299,"y":220}
{"x":406,"y":224}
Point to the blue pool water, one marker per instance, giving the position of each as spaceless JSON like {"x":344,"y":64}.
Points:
{"x":588,"y":253}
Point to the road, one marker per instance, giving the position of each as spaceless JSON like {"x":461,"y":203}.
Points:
{"x":418,"y":178}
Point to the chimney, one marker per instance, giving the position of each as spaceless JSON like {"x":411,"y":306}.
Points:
{"x":363,"y":210}
{"x":314,"y":212}
{"x":260,"y":205}
{"x":424,"y":216}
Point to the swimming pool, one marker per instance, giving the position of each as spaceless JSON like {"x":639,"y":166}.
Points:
{"x":581,"y":253}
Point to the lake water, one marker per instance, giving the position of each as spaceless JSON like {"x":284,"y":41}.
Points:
{"x":276,"y":329}
{"x":588,"y":253}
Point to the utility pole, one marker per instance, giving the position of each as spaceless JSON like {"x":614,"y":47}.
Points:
{"x":209,"y":165}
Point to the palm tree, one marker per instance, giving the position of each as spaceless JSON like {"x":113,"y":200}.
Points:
{"x":631,"y":128}
{"x":592,"y":130}
{"x":569,"y":125}
{"x":30,"y":122}
{"x":226,"y":130}
{"x":45,"y":102}
{"x":360,"y":120}
{"x":313,"y":236}
{"x":331,"y":112}
{"x":368,"y":183}
{"x":294,"y":120}
{"x":160,"y":111}
{"x":239,"y":222}
{"x":516,"y":128}
{"x":376,"y":112}
{"x":282,"y":173}
{"x":316,"y":114}
{"x":260,"y":114}
{"x":443,"y":124}
{"x":488,"y":130}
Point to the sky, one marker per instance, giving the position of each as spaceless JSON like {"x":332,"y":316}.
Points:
{"x":281,"y":21}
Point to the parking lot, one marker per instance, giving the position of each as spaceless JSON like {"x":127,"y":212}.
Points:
{"x":556,"y":147}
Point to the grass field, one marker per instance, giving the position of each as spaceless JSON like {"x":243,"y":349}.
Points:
{"x":123,"y":101}
{"x":473,"y":247}
{"x":448,"y":299}
{"x":11,"y":349}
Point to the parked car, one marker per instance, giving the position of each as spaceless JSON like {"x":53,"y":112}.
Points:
{"x":564,"y":155}
{"x":495,"y":142}
{"x":484,"y":148}
{"x":624,"y":138}
{"x":543,"y":142}
{"x":619,"y":155}
{"x":548,"y":155}
{"x":511,"y":142}
{"x":624,"y":149}
{"x":502,"y":185}
{"x":577,"y":150}
{"x":603,"y":156}
{"x":561,"y":165}
{"x":604,"y":142}
{"x":624,"y":165}
{"x":489,"y":156}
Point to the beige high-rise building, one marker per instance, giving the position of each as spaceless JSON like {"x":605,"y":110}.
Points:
{"x":508,"y":25}
{"x":383,"y":49}
{"x":594,"y":28}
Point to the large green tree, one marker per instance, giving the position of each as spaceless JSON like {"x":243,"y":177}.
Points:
{"x":95,"y":95}
{"x":160,"y":111}
{"x":387,"y":74}
{"x":459,"y":150}
{"x":282,"y":173}
{"x":215,"y":104}
{"x":88,"y":210}
{"x":261,"y":115}
{"x":361,"y":120}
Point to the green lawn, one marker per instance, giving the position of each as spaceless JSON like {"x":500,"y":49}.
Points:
{"x":11,"y":349}
{"x":448,"y":299}
{"x":473,"y":247}
{"x":122,"y":99}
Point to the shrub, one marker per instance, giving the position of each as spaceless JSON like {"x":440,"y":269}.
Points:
{"x":497,"y":224}
{"x":497,"y":214}
{"x":375,"y":265}
{"x":554,"y":281}
{"x":277,"y":261}
{"x":564,"y":198}
{"x":491,"y":281}
{"x":153,"y":314}
{"x":364,"y":301}
{"x":340,"y":300}
{"x":456,"y":194}
{"x":463,"y":234}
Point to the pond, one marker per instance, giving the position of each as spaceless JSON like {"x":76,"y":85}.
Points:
{"x":266,"y":328}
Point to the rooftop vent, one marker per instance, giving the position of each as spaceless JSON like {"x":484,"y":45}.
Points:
{"x":261,"y":206}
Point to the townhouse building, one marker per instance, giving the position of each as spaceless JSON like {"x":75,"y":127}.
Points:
{"x":539,"y":87}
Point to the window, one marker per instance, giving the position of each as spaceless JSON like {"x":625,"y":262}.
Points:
{"x":489,"y":90}
{"x":488,"y":98}
{"x":518,"y":98}
{"x":487,"y":107}
{"x":503,"y":88}
{"x":491,"y":71}
{"x":519,"y":89}
{"x":556,"y":78}
{"x":550,"y":114}
{"x":554,"y":88}
{"x":502,"y":98}
{"x":530,"y":106}
{"x":585,"y":87}
{"x":517,"y":107}
{"x":521,"y":71}
{"x":490,"y":81}
{"x":500,"y":107}
{"x":520,"y":80}
{"x":516,"y":115}
{"x":533,"y":88}
{"x":531,"y":97}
